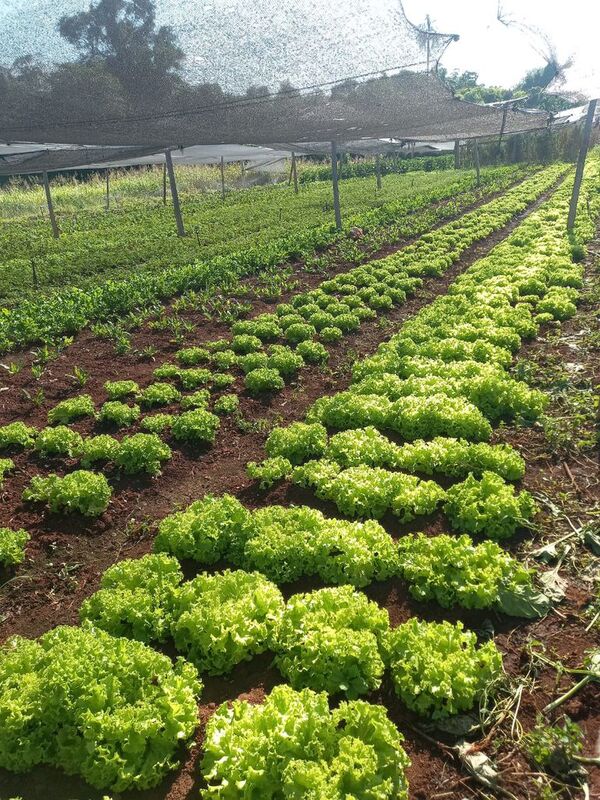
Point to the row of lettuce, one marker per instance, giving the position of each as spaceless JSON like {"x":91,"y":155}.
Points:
{"x":98,"y":701}
{"x":389,"y":164}
{"x":267,"y":350}
{"x":68,"y":311}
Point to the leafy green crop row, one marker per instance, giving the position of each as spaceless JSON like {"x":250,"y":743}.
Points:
{"x":334,"y":639}
{"x":69,"y":310}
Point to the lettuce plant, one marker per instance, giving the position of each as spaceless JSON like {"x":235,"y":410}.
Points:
{"x":284,"y":360}
{"x":192,"y":356}
{"x":332,"y":640}
{"x":157,"y":423}
{"x":454,"y":571}
{"x":438,"y":669}
{"x":59,"y":441}
{"x":159,"y":394}
{"x":256,"y":360}
{"x":299,"y":332}
{"x":194,"y":377}
{"x":297,"y":442}
{"x":85,"y":492}
{"x":223,"y":619}
{"x":109,"y":709}
{"x":265,"y":327}
{"x":288,"y":543}
{"x":119,"y":414}
{"x":198,"y":399}
{"x":270,"y":471}
{"x":98,"y":448}
{"x":135,"y":598}
{"x":226,"y":404}
{"x":312,"y":352}
{"x":489,"y":507}
{"x":6,"y":465}
{"x":69,"y":410}
{"x":331,"y":334}
{"x":17,"y":434}
{"x":118,"y":390}
{"x":167,"y":372}
{"x":261,"y":381}
{"x":222,"y":380}
{"x":206,"y":531}
{"x":12,"y":546}
{"x":196,"y":427}
{"x":245,"y":343}
{"x":142,"y":452}
{"x":293,"y":746}
{"x":370,"y":491}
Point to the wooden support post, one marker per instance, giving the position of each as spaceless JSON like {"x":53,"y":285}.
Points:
{"x":295,"y":172}
{"x":108,"y":190}
{"x":164,"y":184}
{"x":583,"y":149}
{"x":378,"y":170}
{"x":174,"y":194}
{"x":502,"y":126}
{"x":477,"y":162}
{"x":222,"y":177}
{"x":55,"y":230}
{"x":243,"y":163}
{"x":456,"y":154}
{"x":336,"y":188}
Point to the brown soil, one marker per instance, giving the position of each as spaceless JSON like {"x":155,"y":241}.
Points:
{"x":68,"y":555}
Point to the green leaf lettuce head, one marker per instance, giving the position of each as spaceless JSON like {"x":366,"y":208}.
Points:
{"x":223,"y":619}
{"x":438,"y":669}
{"x":293,"y":746}
{"x":332,"y":640}
{"x":109,"y":709}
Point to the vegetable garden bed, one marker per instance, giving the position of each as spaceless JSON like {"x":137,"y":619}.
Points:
{"x":435,"y":770}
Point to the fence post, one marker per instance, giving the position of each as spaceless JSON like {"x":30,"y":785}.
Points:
{"x":456,"y":154}
{"x":222,"y":177}
{"x":164,"y":184}
{"x":174,"y":194}
{"x":107,"y":189}
{"x":583,"y":149}
{"x":336,"y":188}
{"x":295,"y":172}
{"x":477,"y":161}
{"x":378,"y":170}
{"x":55,"y":230}
{"x":499,"y":146}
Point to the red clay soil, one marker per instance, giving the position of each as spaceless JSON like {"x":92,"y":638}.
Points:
{"x":67,"y":556}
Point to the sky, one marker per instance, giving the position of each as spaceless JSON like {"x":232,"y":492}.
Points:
{"x":235,"y":41}
{"x":501,"y":55}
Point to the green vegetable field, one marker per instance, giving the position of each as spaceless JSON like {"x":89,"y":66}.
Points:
{"x":293,"y":513}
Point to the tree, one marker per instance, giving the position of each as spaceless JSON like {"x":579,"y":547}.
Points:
{"x":122,"y":34}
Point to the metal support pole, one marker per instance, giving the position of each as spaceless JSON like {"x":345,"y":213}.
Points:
{"x":55,"y":230}
{"x":295,"y":172}
{"x":223,"y":177}
{"x":583,"y":149}
{"x":174,"y":194}
{"x":108,"y":190}
{"x":164,"y":184}
{"x":336,"y":188}
{"x":456,"y":154}
{"x":477,"y":162}
{"x":378,"y":170}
